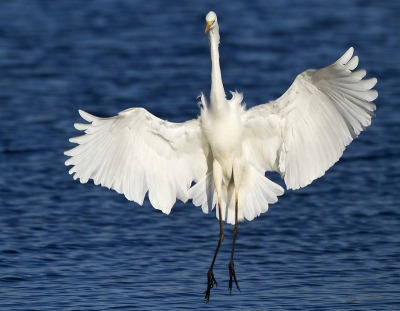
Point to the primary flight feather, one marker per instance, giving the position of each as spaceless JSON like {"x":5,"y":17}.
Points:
{"x":228,"y":149}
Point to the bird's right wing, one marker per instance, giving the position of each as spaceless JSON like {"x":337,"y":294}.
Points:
{"x":136,"y":152}
{"x":304,"y":132}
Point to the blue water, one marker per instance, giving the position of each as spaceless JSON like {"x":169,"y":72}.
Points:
{"x":334,"y":245}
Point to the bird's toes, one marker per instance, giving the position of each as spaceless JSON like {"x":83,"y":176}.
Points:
{"x":232,"y":277}
{"x":211,"y":281}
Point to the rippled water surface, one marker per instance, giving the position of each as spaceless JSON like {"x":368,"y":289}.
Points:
{"x":334,"y":245}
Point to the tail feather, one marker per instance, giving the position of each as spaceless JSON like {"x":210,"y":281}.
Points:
{"x":255,"y":194}
{"x":203,"y":193}
{"x":256,"y":197}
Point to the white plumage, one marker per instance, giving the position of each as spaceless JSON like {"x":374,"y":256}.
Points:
{"x":300,"y":135}
{"x":136,"y":152}
{"x":228,"y":149}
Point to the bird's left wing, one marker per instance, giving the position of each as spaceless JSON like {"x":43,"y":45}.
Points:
{"x":305,"y":131}
{"x":135,"y":152}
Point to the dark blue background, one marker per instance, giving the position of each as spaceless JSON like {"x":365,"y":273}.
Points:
{"x":334,"y":245}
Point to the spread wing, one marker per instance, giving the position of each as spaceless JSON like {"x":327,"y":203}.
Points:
{"x":305,"y":131}
{"x":136,"y":152}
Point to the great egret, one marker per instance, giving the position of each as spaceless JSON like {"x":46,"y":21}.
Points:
{"x":228,"y":149}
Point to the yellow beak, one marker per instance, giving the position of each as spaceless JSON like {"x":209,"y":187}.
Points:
{"x":208,"y":26}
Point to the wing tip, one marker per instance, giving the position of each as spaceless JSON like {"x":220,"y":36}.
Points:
{"x":86,"y":116}
{"x":374,"y":94}
{"x":346,"y":56}
{"x":81,"y":126}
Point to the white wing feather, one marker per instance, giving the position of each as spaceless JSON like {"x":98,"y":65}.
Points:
{"x":136,"y":152}
{"x":304,"y":132}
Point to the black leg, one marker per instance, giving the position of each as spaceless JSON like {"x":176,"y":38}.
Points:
{"x":210,"y":275}
{"x":231,"y":265}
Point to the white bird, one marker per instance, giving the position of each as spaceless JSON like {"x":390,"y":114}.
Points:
{"x":228,"y":149}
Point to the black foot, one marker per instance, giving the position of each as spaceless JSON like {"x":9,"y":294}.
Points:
{"x":210,"y":284}
{"x":232,"y":275}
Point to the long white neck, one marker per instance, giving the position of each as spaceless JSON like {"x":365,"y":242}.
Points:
{"x":217,"y":94}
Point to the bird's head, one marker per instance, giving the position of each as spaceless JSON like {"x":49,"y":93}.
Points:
{"x":211,"y":21}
